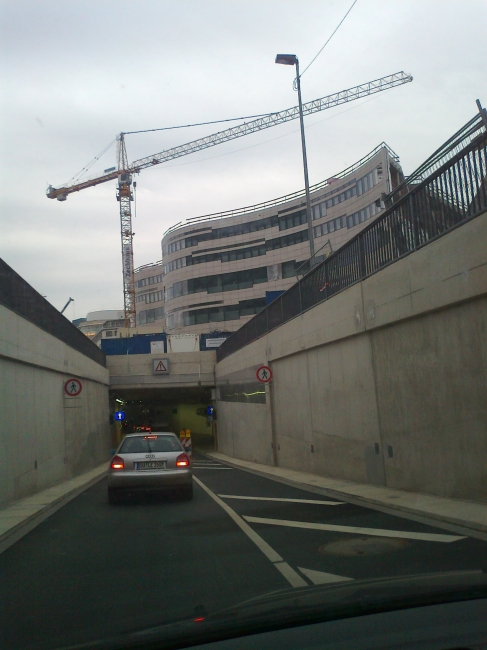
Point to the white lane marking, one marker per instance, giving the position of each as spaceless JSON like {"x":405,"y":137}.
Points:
{"x":321,"y":578}
{"x":323,"y":503}
{"x":356,"y":530}
{"x":288,"y":572}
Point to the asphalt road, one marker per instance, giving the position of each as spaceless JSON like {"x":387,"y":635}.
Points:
{"x":92,"y":570}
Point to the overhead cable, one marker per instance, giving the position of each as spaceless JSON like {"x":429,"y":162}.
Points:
{"x":333,"y":34}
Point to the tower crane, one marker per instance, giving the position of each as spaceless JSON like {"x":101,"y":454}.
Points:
{"x":124,"y":171}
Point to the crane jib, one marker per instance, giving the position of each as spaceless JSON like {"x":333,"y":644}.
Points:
{"x":342,"y":97}
{"x":330,"y":101}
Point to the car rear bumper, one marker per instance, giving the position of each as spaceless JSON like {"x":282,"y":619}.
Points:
{"x":147,"y":480}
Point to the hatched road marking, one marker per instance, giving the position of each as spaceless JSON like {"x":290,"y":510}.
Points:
{"x":285,"y":569}
{"x":323,"y":503}
{"x":356,"y":530}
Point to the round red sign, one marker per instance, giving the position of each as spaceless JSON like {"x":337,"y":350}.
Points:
{"x":73,"y":387}
{"x":264,"y":374}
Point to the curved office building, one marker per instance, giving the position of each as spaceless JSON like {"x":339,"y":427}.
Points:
{"x":219,"y":270}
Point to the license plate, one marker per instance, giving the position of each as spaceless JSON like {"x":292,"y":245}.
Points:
{"x":151,"y":464}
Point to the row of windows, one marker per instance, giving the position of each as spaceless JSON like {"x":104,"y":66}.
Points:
{"x":228,"y":256}
{"x":330,"y":226}
{"x":251,"y":392}
{"x":246,"y":253}
{"x":363,"y":184}
{"x":368,"y":181}
{"x":225,"y":313}
{"x":347,"y":222}
{"x":156,"y":296}
{"x":149,"y":316}
{"x":216,"y":283}
{"x":290,"y":221}
{"x":293,"y":220}
{"x":154,"y":279}
{"x":227,"y":231}
{"x":176,"y":246}
{"x":364,"y":214}
{"x":320,"y":210}
{"x":175,"y":264}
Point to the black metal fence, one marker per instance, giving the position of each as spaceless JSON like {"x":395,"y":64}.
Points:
{"x":17,"y":295}
{"x":454,"y":193}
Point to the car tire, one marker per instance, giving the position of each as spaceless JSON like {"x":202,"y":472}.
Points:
{"x":187,"y":492}
{"x":113,"y":497}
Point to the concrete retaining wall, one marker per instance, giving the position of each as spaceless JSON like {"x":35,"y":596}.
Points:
{"x":385,"y":383}
{"x":45,"y":436}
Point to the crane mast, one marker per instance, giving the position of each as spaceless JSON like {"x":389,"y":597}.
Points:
{"x":124,"y":197}
{"x":125,"y":170}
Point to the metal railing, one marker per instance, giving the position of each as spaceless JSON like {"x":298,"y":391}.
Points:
{"x":18,"y":296}
{"x":451,"y":195}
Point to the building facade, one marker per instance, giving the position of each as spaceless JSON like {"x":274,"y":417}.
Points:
{"x":219,"y":270}
{"x":96,"y":321}
{"x":149,"y":295}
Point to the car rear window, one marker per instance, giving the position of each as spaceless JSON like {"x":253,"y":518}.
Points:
{"x":141,"y":444}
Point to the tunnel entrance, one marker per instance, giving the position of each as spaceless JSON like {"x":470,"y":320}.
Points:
{"x":163,"y":409}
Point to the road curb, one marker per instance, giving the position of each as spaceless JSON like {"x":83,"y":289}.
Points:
{"x":24,"y":524}
{"x":473,"y":525}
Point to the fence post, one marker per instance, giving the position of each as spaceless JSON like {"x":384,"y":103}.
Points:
{"x":361,"y":252}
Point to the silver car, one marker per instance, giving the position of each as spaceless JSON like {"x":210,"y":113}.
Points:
{"x":152,"y":461}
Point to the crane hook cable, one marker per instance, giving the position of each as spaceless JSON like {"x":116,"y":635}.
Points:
{"x":90,"y":164}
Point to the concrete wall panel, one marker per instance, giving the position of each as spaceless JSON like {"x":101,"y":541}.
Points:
{"x":386,"y":382}
{"x":326,"y":419}
{"x":246,"y":431}
{"x":43,"y":438}
{"x":432,"y":391}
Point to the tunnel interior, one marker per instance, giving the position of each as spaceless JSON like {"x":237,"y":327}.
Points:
{"x":163,"y":409}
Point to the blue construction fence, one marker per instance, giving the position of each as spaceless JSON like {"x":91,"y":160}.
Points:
{"x":141,"y":343}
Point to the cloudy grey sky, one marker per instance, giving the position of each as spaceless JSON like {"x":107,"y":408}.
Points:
{"x":74,"y":74}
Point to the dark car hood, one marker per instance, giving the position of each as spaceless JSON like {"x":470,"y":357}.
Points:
{"x":302,"y":606}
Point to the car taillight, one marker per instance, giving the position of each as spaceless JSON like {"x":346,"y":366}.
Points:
{"x":182,"y":460}
{"x":117,"y":463}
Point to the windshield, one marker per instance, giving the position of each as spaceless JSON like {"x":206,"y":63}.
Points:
{"x":243,"y":351}
{"x":140,"y":445}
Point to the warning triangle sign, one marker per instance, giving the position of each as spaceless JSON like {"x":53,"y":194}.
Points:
{"x":160,"y":367}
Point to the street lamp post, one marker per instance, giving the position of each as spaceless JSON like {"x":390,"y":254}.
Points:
{"x":292,"y":59}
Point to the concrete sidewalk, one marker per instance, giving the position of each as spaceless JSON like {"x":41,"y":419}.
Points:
{"x":468,"y":514}
{"x":22,"y":516}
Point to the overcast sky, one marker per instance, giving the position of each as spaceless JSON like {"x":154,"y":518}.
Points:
{"x":74,"y":74}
